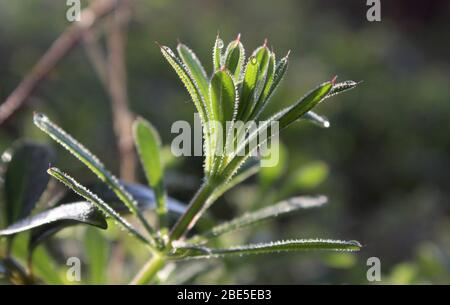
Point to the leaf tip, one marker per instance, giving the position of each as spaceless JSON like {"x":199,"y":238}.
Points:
{"x":333,"y":80}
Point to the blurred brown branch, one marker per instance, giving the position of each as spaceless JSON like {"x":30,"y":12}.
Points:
{"x":122,"y":117}
{"x":59,"y":49}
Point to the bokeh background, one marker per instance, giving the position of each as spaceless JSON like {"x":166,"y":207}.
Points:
{"x":384,"y":163}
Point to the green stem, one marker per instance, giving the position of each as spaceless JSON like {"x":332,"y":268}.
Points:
{"x":190,"y":217}
{"x":149,"y":270}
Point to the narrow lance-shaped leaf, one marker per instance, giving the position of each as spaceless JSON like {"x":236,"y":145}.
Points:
{"x":280,"y":71}
{"x":144,"y":196}
{"x":223,"y":97}
{"x":266,"y":85}
{"x":195,"y":67}
{"x":248,"y":87}
{"x":223,"y":104}
{"x":262,"y":56}
{"x":234,"y":58}
{"x":91,"y":161}
{"x":270,"y":212}
{"x":25,"y":178}
{"x":148,"y":145}
{"x":188,"y":81}
{"x":305,"y":104}
{"x":192,"y":251}
{"x":342,"y":87}
{"x":217,"y":54}
{"x":70,"y":213}
{"x":100,"y":204}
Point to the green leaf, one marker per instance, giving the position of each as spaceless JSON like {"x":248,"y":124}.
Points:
{"x":318,"y":120}
{"x":148,"y":145}
{"x":25,"y":177}
{"x":248,"y":87}
{"x":97,"y":252}
{"x":223,"y":104}
{"x":94,"y":199}
{"x":266,"y":86}
{"x":305,"y":104}
{"x":223,"y":97}
{"x":342,"y":87}
{"x":282,"y":208}
{"x":280,"y":71}
{"x":66,"y":214}
{"x":235,"y":58}
{"x":217,"y":54}
{"x":145,"y":198}
{"x":91,"y":161}
{"x":264,"y":60}
{"x":188,"y":81}
{"x":186,"y":251}
{"x":195,"y":68}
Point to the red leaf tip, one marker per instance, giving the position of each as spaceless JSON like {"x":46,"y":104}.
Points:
{"x":333,"y":81}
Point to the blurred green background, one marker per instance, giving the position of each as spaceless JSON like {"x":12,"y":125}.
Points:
{"x":384,"y":163}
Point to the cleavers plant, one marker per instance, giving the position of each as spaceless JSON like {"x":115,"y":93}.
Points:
{"x":238,"y":90}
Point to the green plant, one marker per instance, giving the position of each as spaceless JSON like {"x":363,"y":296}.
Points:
{"x":238,"y":91}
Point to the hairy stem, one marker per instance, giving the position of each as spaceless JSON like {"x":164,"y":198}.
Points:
{"x":193,"y":212}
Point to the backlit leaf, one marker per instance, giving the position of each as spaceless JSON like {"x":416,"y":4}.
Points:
{"x":270,"y":212}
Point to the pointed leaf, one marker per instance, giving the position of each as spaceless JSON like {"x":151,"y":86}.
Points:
{"x":196,"y":69}
{"x":100,"y":204}
{"x":91,"y":161}
{"x":248,"y":87}
{"x":148,"y":145}
{"x":235,"y":58}
{"x":223,"y":97}
{"x":191,"y":251}
{"x":145,"y":197}
{"x":263,"y":58}
{"x":280,"y":71}
{"x":188,"y":81}
{"x":342,"y":87}
{"x":66,"y":214}
{"x":266,"y":86}
{"x":305,"y":104}
{"x":217,"y":54}
{"x":25,"y":178}
{"x":270,"y":212}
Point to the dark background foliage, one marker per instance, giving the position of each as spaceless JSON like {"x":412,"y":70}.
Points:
{"x":387,"y":149}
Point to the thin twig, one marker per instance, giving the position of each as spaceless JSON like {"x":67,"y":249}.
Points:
{"x":97,"y":57}
{"x":59,"y":49}
{"x":122,"y":117}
